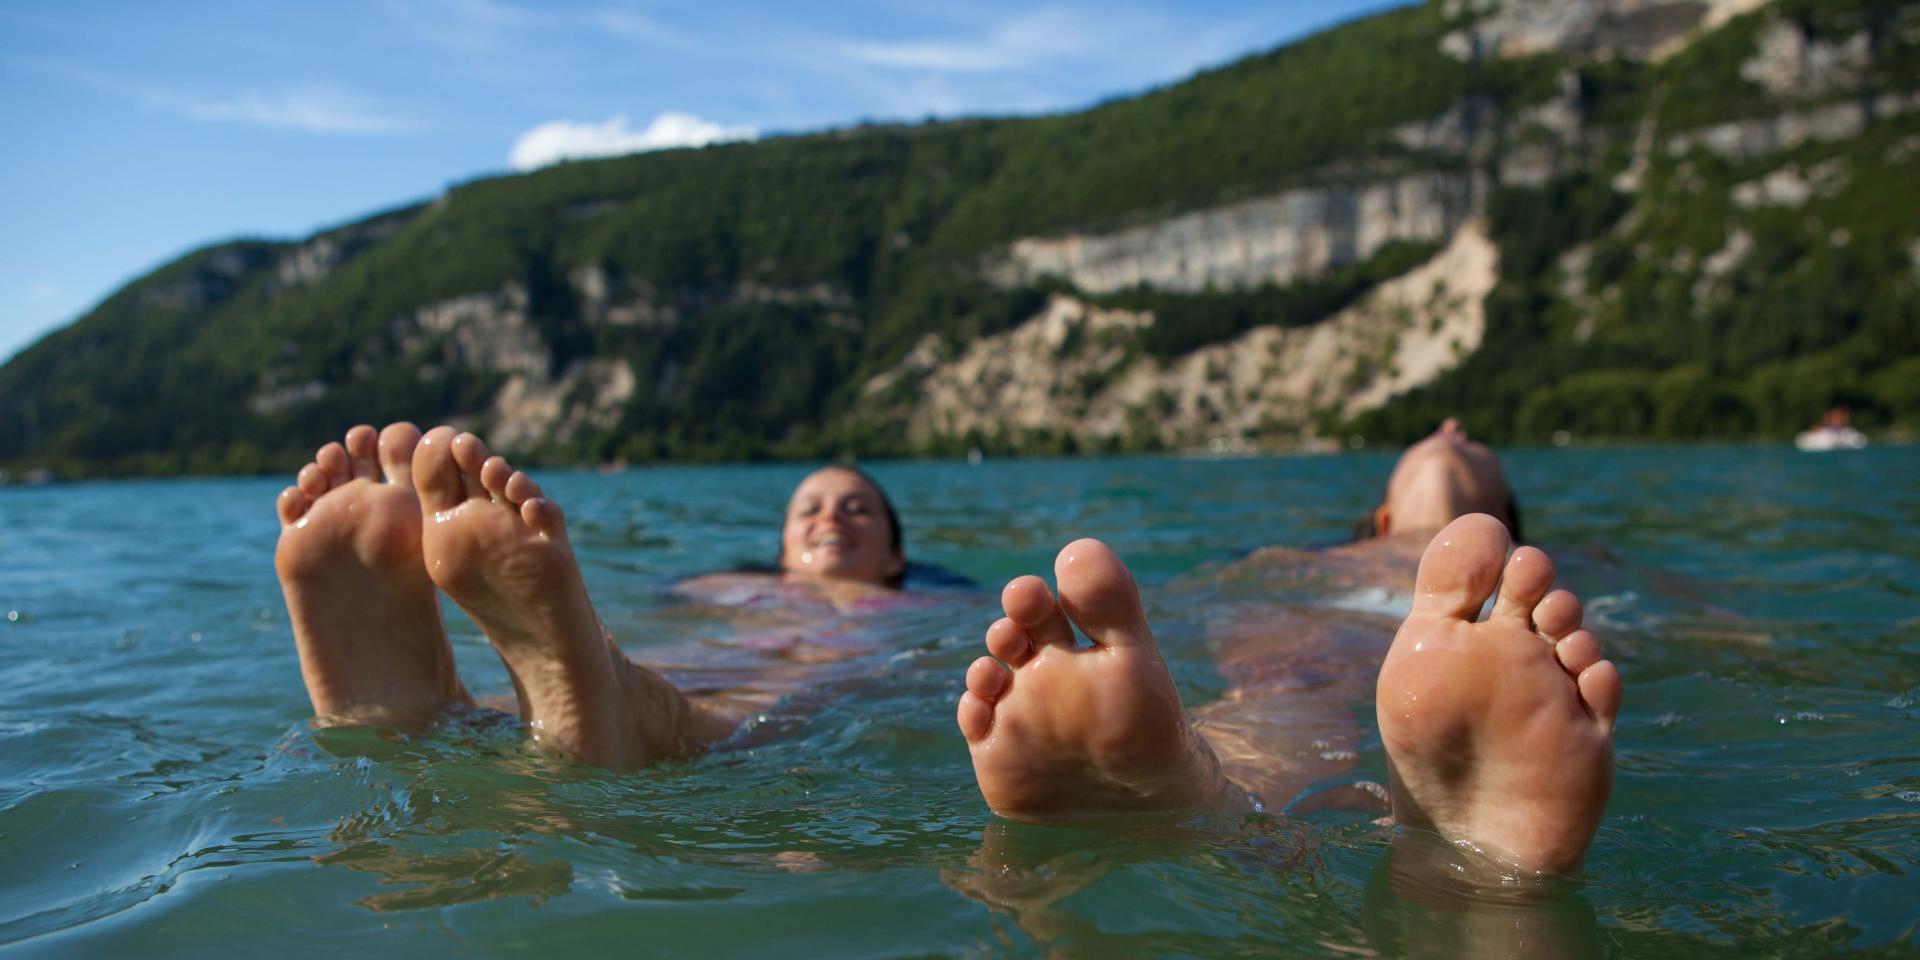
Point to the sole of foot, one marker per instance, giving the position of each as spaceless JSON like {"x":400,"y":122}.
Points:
{"x":499,"y":548}
{"x":1499,"y":733}
{"x":1060,"y":731}
{"x":366,"y":620}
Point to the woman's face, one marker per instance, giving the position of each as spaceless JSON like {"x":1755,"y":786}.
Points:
{"x":837,"y":530}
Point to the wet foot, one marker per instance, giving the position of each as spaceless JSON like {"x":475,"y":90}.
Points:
{"x":499,"y":548}
{"x":366,"y":620}
{"x":1068,"y":731}
{"x":1498,"y":733}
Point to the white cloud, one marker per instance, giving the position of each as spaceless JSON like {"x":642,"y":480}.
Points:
{"x":567,"y":140}
{"x":43,"y":291}
{"x":315,"y":109}
{"x":1028,"y":40}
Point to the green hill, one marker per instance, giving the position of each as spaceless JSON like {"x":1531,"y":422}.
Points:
{"x":736,"y":301}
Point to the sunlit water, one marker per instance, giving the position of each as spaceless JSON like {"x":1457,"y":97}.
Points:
{"x":160,"y":791}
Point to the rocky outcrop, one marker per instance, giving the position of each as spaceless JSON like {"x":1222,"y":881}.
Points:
{"x":534,"y":411}
{"x":1637,"y":29}
{"x":1789,"y":64}
{"x":1076,"y":369}
{"x":1742,"y":140}
{"x":215,"y":278}
{"x":1301,"y":233}
{"x":481,"y":331}
{"x":316,"y":259}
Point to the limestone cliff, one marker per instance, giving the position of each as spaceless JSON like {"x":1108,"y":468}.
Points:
{"x":1076,"y":370}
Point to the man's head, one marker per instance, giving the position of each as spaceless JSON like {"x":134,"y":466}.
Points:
{"x":1441,"y":478}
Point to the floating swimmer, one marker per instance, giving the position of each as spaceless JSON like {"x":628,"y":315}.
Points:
{"x":375,"y":524}
{"x":1498,"y":732}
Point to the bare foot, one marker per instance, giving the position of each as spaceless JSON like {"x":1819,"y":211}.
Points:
{"x":365,"y":617}
{"x":1498,"y":733}
{"x":499,"y":549}
{"x":1068,"y":732}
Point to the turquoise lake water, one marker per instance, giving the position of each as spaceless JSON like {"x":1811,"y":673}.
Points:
{"x":161,"y":792}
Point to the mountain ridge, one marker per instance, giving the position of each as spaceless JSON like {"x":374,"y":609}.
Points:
{"x":738,"y":301}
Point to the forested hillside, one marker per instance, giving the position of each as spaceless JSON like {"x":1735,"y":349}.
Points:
{"x":1703,"y":229}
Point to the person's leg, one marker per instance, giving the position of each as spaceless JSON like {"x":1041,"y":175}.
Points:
{"x":499,"y":548}
{"x":366,"y":620}
{"x":1059,"y":731}
{"x":1498,"y":733}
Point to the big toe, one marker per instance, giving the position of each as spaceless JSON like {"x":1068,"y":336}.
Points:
{"x":436,"y":477}
{"x":1460,"y":567}
{"x":1098,"y":592}
{"x":396,"y":445}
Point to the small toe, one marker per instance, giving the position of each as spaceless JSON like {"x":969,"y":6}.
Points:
{"x":334,"y":462}
{"x":291,"y":505}
{"x":520,"y":488}
{"x":975,"y":717}
{"x":312,"y":480}
{"x":1528,"y":577}
{"x":1008,"y":641}
{"x":363,"y":451}
{"x":493,"y":476}
{"x":470,"y":453}
{"x":1459,"y":568}
{"x":1029,"y":603}
{"x":1578,"y":651}
{"x":1557,"y":615}
{"x":1600,"y":688}
{"x":987,"y":679}
{"x":397,"y":443}
{"x":545,"y":517}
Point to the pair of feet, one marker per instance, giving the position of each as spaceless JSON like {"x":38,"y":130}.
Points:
{"x":375,"y":524}
{"x":1499,"y":733}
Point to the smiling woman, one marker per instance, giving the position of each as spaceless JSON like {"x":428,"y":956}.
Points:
{"x":841,"y":526}
{"x":379,"y":523}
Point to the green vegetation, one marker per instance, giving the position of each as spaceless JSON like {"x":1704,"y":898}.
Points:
{"x":1822,"y":308}
{"x":764,"y":284}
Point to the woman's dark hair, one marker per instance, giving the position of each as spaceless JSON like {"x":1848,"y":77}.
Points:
{"x":898,"y":580}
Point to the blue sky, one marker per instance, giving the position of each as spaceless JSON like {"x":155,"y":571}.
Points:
{"x":136,"y":131}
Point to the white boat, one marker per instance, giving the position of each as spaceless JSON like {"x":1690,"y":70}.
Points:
{"x":1823,"y":438}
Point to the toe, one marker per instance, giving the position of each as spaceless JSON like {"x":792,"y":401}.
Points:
{"x":1600,"y":688}
{"x":521,"y":488}
{"x":1558,"y":615}
{"x":312,"y":480}
{"x":1030,"y":604}
{"x":1098,"y":593}
{"x":1460,"y":567}
{"x":363,"y":453}
{"x":470,"y":453}
{"x":291,"y":505}
{"x":975,"y":716}
{"x":1008,"y":641}
{"x":1578,"y":651}
{"x":493,"y":476}
{"x":988,"y":679}
{"x":545,"y":517}
{"x":335,"y":463}
{"x":397,"y":443}
{"x":1528,"y":577}
{"x":435,"y":476}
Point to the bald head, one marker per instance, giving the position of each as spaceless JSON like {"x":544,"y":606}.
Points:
{"x":1441,"y":478}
